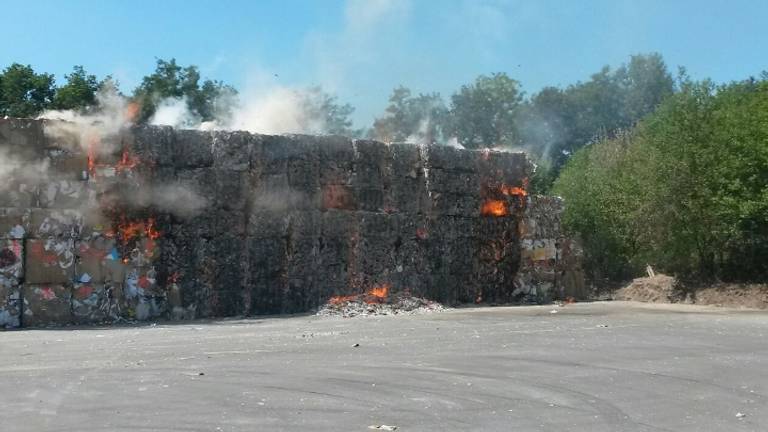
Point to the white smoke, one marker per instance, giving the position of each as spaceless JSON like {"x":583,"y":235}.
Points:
{"x":421,"y":135}
{"x":178,"y":199}
{"x":278,"y":110}
{"x":175,"y":198}
{"x":175,"y":112}
{"x":270,"y":110}
{"x":16,"y":169}
{"x":454,"y":142}
{"x":91,"y":130}
{"x":111,"y":114}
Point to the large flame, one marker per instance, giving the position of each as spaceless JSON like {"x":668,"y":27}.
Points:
{"x":496,"y":208}
{"x":497,"y":205}
{"x":128,"y":230}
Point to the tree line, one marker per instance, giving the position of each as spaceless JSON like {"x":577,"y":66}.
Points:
{"x":685,"y":190}
{"x":492,"y":111}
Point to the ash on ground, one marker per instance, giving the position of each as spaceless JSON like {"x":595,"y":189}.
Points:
{"x":367,"y":305}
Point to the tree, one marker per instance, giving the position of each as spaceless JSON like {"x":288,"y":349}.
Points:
{"x":79,"y":92}
{"x":556,"y":123}
{"x":646,"y":83}
{"x":325,"y":109}
{"x":208,"y":101}
{"x":24,"y":93}
{"x":420,"y":118}
{"x":483,"y":114}
{"x":685,"y":191}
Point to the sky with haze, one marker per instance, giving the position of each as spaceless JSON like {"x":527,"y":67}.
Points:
{"x":361,"y":49}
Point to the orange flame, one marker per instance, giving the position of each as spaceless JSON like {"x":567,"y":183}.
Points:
{"x":513,"y":190}
{"x":377,"y":294}
{"x":128,"y":230}
{"x":92,"y":148}
{"x":132,"y":111}
{"x":495,"y":208}
{"x":127,"y":162}
{"x":341,"y":299}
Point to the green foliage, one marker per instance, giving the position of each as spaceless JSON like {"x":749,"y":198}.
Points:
{"x":79,"y":92}
{"x":421,"y":116}
{"x":24,"y":93}
{"x":207,"y":100}
{"x":483,"y":114}
{"x":686,"y":191}
{"x":325,"y":107}
{"x":555,"y":123}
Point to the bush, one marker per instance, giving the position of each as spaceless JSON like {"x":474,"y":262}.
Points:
{"x":685,"y":191}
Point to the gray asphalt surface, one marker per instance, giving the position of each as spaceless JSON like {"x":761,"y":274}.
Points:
{"x":588,"y":367}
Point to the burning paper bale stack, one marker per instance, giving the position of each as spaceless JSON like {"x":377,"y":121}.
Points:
{"x":153,"y":222}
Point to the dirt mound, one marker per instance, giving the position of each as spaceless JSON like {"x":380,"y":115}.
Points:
{"x":754,"y":296}
{"x":656,"y":289}
{"x":666,"y":289}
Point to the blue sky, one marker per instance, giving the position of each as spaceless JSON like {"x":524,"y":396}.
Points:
{"x":361,"y":49}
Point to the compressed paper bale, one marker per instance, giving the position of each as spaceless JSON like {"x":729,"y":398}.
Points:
{"x":336,"y":160}
{"x":503,"y":167}
{"x":59,"y":223}
{"x":63,"y":194}
{"x":154,"y":144}
{"x":278,"y":151}
{"x":193,"y":149}
{"x":20,"y":193}
{"x":10,"y":304}
{"x":407,"y":189}
{"x":49,"y":261}
{"x":449,"y":158}
{"x":67,"y":165}
{"x":267,"y":268}
{"x":371,"y":167}
{"x":451,"y":204}
{"x":14,"y":223}
{"x":268,"y":224}
{"x":215,"y":188}
{"x":232,"y":151}
{"x":47,"y":304}
{"x":304,"y":173}
{"x":93,"y":303}
{"x":340,"y":197}
{"x":455,"y":182}
{"x":91,"y":256}
{"x":24,"y":138}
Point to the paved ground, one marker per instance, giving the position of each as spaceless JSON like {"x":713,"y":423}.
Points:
{"x":589,"y":367}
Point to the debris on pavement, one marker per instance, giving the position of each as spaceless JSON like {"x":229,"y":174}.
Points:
{"x":383,"y":427}
{"x":369,"y":304}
